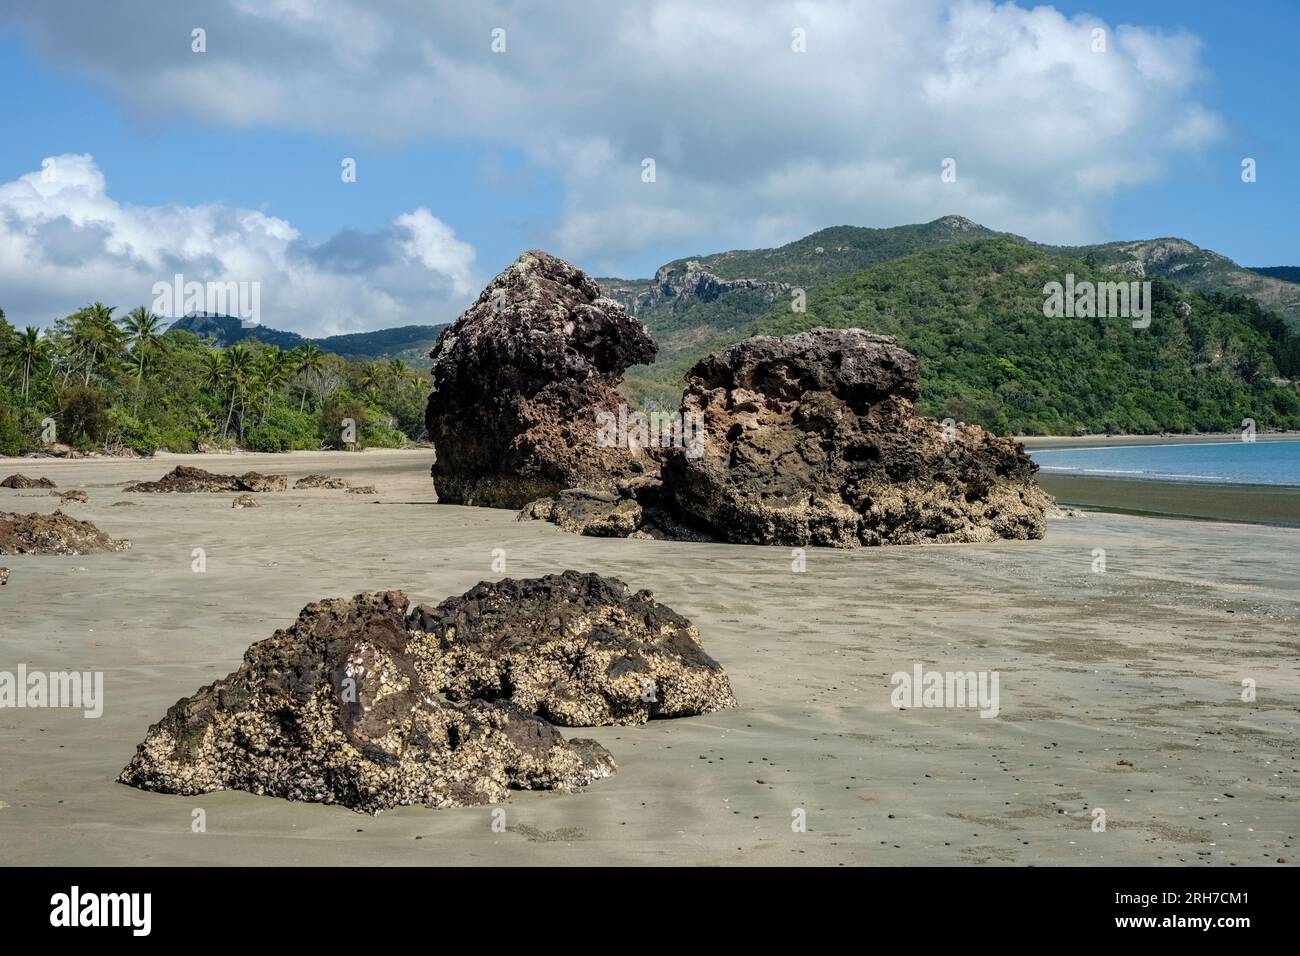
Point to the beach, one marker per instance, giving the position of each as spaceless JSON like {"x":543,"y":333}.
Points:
{"x":1120,"y":690}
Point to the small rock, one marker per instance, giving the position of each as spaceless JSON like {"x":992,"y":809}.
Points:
{"x":244,"y":501}
{"x":22,"y":481}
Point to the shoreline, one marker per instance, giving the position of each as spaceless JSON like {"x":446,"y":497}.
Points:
{"x":1275,"y":505}
{"x":1043,"y":442}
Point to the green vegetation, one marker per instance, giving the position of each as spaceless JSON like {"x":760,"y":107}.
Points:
{"x":972,"y":312}
{"x":113,"y":383}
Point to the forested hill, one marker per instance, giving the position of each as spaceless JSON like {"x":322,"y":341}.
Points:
{"x":972,"y":311}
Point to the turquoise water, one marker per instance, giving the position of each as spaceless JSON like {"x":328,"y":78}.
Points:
{"x":1232,"y":463}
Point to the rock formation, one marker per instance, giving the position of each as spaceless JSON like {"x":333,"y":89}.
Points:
{"x":332,"y":710}
{"x":362,"y":490}
{"x":577,"y":649}
{"x":53,"y":534}
{"x":346,"y":705}
{"x":187,"y":479}
{"x":22,"y":481}
{"x":320,"y":481}
{"x":811,"y":439}
{"x":519,"y":379}
{"x":72,"y":496}
{"x":4,"y":576}
{"x":244,"y":501}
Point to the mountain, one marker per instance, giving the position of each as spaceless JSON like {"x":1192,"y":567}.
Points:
{"x":701,"y":298}
{"x":972,"y":309}
{"x":409,"y":342}
{"x":1197,"y":269}
{"x":1285,"y":273}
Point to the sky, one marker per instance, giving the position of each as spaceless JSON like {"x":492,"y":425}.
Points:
{"x":129,"y":156}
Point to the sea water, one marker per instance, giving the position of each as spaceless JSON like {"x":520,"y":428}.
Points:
{"x":1238,"y":462}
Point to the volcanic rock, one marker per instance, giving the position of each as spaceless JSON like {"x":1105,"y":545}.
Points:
{"x":4,"y":576}
{"x":576,"y":649}
{"x":72,"y":496}
{"x":53,"y":534}
{"x":811,"y":439}
{"x":187,"y":479}
{"x":244,"y":501}
{"x":22,"y":481}
{"x":319,"y":481}
{"x":519,"y":379}
{"x":333,"y":710}
{"x":362,"y":490}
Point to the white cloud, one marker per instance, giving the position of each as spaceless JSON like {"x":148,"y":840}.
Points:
{"x":65,"y":241}
{"x":754,"y":142}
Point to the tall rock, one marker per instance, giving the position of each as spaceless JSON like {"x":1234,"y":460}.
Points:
{"x":519,"y":378}
{"x":811,"y":439}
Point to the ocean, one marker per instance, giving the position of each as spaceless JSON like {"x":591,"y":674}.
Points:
{"x":1226,"y":463}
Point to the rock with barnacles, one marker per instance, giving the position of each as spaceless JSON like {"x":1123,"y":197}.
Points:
{"x":186,"y":479}
{"x":334,"y":710}
{"x":244,"y":501}
{"x":320,"y":481}
{"x":73,"y":496}
{"x":22,"y":481}
{"x":577,"y":649}
{"x":53,"y":534}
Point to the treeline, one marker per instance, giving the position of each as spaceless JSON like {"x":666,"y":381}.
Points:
{"x":111,"y":383}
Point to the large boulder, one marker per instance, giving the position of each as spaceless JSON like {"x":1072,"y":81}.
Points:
{"x":519,"y":379}
{"x":53,"y":534}
{"x":188,"y":479}
{"x":577,"y":649}
{"x":811,"y":439}
{"x":333,"y":710}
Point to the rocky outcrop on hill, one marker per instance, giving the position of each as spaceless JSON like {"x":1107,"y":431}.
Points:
{"x":519,"y":379}
{"x":577,"y":649}
{"x":187,"y":479}
{"x":370,"y":704}
{"x":22,"y":481}
{"x":332,"y":710}
{"x":811,"y":439}
{"x":53,"y":534}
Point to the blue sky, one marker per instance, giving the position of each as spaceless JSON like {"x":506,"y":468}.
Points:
{"x":542,"y":146}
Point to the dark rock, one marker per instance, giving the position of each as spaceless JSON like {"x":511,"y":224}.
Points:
{"x":4,"y":576}
{"x":320,"y":481}
{"x":362,"y":490}
{"x":244,"y":501}
{"x":187,"y":479}
{"x":53,"y":534}
{"x":519,"y":379}
{"x":22,"y":481}
{"x":811,"y":439}
{"x":73,"y":496}
{"x":333,"y":710}
{"x":577,"y":649}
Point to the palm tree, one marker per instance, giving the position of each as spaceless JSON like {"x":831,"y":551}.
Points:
{"x":94,"y":338}
{"x":309,"y":360}
{"x":273,"y":370}
{"x":29,"y":351}
{"x":143,"y":334}
{"x":236,"y":370}
{"x":372,"y":376}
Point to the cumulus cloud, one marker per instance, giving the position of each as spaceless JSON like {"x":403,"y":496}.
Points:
{"x":754,"y":143}
{"x":65,"y":241}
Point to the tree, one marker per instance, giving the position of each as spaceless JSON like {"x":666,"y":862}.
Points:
{"x":30,"y":352}
{"x":309,"y":360}
{"x":236,"y":371}
{"x":93,"y":339}
{"x":143,"y":335}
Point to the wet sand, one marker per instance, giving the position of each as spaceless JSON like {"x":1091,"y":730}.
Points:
{"x":1119,"y":690}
